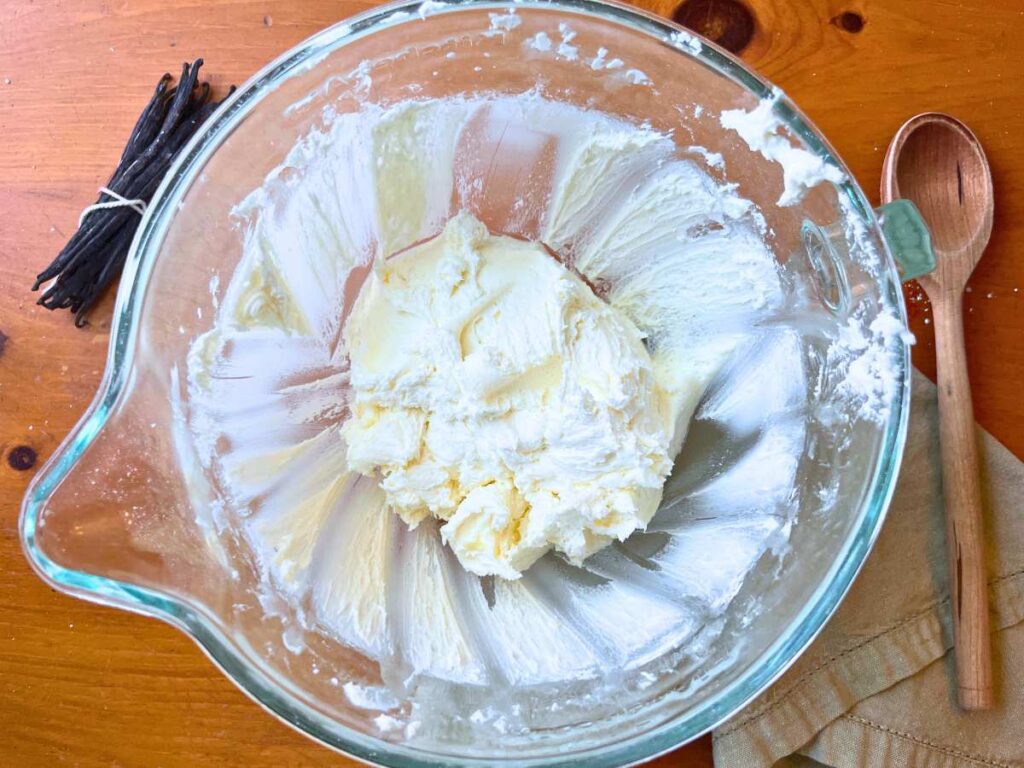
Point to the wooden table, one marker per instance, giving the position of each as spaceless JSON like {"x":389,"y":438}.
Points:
{"x":84,"y":685}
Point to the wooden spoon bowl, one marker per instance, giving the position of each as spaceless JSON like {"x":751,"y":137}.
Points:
{"x":936,"y":161}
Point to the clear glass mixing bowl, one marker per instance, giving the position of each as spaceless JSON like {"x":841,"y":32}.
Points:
{"x":125,"y":515}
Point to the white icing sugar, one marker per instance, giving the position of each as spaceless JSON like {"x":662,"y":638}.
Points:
{"x":373,"y":697}
{"x":540,"y":42}
{"x":566,"y":49}
{"x":502,"y":23}
{"x":427,"y":7}
{"x":801,"y":169}
{"x":686,"y":41}
{"x":637,"y":77}
{"x":864,"y":360}
{"x":713,"y":159}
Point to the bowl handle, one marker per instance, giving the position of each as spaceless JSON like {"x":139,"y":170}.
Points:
{"x":908,"y":238}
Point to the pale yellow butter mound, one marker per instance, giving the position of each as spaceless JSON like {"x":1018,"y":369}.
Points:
{"x":493,"y":390}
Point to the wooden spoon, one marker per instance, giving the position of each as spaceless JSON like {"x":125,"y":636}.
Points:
{"x":935,"y":161}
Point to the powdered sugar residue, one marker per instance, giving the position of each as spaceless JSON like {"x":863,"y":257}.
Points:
{"x":863,"y":359}
{"x":637,"y":77}
{"x":801,"y":169}
{"x":427,"y":7}
{"x":540,"y":42}
{"x":566,"y":49}
{"x":372,"y":697}
{"x":686,"y":42}
{"x":502,"y":23}
{"x":713,"y":159}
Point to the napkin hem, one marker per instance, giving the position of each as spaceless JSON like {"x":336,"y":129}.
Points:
{"x":918,"y":624}
{"x":827,"y":692}
{"x":850,"y":739}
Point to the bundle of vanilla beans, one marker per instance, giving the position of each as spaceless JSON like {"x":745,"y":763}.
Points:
{"x":94,"y":256}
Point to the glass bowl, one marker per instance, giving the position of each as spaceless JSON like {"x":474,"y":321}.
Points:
{"x":127,"y":514}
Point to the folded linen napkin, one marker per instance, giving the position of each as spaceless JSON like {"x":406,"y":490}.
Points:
{"x":876,"y":688}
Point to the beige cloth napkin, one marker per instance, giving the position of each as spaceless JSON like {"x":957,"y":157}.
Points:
{"x":876,"y":687}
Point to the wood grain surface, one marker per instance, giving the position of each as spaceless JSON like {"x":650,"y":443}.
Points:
{"x":84,"y":685}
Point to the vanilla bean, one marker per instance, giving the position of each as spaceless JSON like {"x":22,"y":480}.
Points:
{"x":96,"y":253}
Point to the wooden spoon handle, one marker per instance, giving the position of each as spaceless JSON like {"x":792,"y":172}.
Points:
{"x":961,"y":487}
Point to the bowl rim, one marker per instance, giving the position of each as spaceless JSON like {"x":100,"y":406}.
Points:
{"x":202,"y":627}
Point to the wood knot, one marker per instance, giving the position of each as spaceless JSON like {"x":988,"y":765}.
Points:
{"x":849,"y":21}
{"x":729,"y":23}
{"x":21,"y":458}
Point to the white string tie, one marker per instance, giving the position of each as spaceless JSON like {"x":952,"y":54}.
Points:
{"x":139,"y":206}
